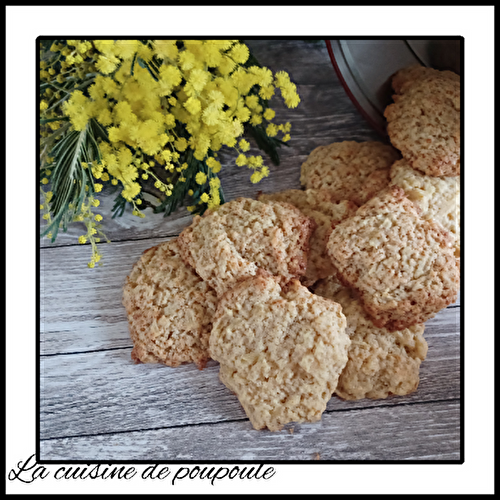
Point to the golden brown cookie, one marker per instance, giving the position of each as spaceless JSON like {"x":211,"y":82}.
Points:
{"x":403,"y":267}
{"x":281,"y":350}
{"x":381,"y":362}
{"x":424,"y":124}
{"x":344,"y":167}
{"x":316,"y":203}
{"x":169,"y":309}
{"x":229,"y":244}
{"x":437,"y":197}
{"x":406,"y":77}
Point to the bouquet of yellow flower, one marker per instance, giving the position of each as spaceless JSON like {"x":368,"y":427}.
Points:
{"x":148,"y":116}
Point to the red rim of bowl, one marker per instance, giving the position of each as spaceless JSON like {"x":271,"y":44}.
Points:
{"x":360,"y":108}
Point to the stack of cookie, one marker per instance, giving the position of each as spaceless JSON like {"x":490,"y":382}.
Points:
{"x":305,"y":293}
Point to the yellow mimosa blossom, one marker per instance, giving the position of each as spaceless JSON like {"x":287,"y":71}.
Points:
{"x":81,"y":48}
{"x":198,"y":79}
{"x":214,"y":165}
{"x":125,"y":49}
{"x":107,"y":65}
{"x":212,"y":54}
{"x":226,"y":65}
{"x":256,"y":119}
{"x":252,"y":101}
{"x":266,"y":92}
{"x":239,"y":53}
{"x":186,"y":60}
{"x":243,"y":114}
{"x":181,"y":144}
{"x":269,"y":114}
{"x":241,"y":160}
{"x":193,"y":105}
{"x":256,"y":177}
{"x":272,"y":130}
{"x":166,"y":49}
{"x":201,"y":178}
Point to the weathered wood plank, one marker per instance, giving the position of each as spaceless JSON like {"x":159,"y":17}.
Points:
{"x":408,"y":432}
{"x":307,"y":63}
{"x":92,"y":317}
{"x":104,"y":391}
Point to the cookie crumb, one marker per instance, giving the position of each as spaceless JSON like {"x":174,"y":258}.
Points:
{"x":317,"y":457}
{"x":290,"y":431}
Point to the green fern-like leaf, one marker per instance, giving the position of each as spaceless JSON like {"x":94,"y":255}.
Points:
{"x":69,"y":178}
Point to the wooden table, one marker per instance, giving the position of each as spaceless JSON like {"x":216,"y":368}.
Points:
{"x":96,"y":404}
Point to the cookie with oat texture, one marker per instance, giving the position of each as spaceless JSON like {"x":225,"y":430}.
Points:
{"x":406,"y":77}
{"x":280,"y":349}
{"x":232,"y":242}
{"x":169,"y":309}
{"x":345,"y":167}
{"x":424,"y":124}
{"x":381,"y":362}
{"x":402,"y":267}
{"x":437,"y":197}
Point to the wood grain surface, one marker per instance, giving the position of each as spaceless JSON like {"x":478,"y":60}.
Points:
{"x":95,"y":404}
{"x":383,"y":433}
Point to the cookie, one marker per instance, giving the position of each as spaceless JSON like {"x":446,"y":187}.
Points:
{"x":403,"y":267}
{"x":281,"y":350}
{"x":229,"y":244}
{"x":344,"y":167}
{"x":424,"y":124}
{"x":406,"y":77}
{"x":169,"y":309}
{"x":380,"y":362}
{"x":316,"y":203}
{"x":437,"y":197}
